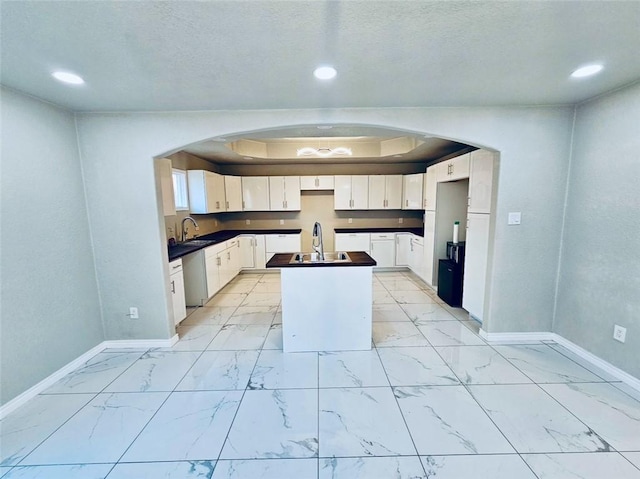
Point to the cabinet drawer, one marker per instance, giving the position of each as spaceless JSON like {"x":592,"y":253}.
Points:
{"x":383,"y":236}
{"x":175,"y":266}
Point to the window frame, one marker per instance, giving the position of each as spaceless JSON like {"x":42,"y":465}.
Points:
{"x":180,"y":189}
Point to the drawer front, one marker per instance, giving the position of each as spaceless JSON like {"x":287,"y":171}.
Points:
{"x":383,"y":236}
{"x":282,"y":243}
{"x":175,"y":266}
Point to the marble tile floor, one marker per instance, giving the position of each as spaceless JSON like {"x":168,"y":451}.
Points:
{"x":430,"y":400}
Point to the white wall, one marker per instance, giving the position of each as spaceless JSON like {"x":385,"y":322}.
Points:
{"x":117,"y":151}
{"x":50,"y":306}
{"x":599,"y":283}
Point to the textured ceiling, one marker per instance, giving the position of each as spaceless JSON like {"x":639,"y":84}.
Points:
{"x":209,"y":55}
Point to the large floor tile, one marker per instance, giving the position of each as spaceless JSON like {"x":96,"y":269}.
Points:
{"x":425,"y":313}
{"x":270,"y":278}
{"x":447,"y":420}
{"x":494,"y":466}
{"x":209,"y":315}
{"x":628,"y":390}
{"x":188,"y":426}
{"x":195,"y":337}
{"x":96,"y":374}
{"x":266,"y":469}
{"x":481,"y":365}
{"x":545,"y":365}
{"x":389,"y":312}
{"x":240,"y":336}
{"x":220,"y":370}
{"x":275,"y":424}
{"x":362,"y":422}
{"x":534,"y":422}
{"x":351,"y":369}
{"x":399,"y":284}
{"x":383,"y":297}
{"x":584,"y":466}
{"x":278,"y":370}
{"x":411,"y":297}
{"x":582,"y":362}
{"x":274,"y":337}
{"x":398,"y":467}
{"x":612,"y":414}
{"x":633,"y":457}
{"x":25,"y":428}
{"x":155,"y":371}
{"x":253,"y":315}
{"x":75,"y":471}
{"x":239,"y":287}
{"x":389,"y":334}
{"x":99,"y":432}
{"x":270,"y":287}
{"x":227,"y":299}
{"x":450,"y":333}
{"x":262,"y":299}
{"x":163,"y":470}
{"x":415,"y":366}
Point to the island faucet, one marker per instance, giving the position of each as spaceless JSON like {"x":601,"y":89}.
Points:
{"x":316,"y":241}
{"x":184,"y":229}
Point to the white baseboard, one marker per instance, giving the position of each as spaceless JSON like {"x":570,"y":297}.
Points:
{"x":506,"y":338}
{"x":50,"y":380}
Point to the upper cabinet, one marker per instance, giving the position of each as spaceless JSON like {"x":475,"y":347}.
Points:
{"x":480,"y":181}
{"x":255,"y":193}
{"x":412,"y":192}
{"x":206,"y":192}
{"x":430,"y":188}
{"x":385,"y":192}
{"x":351,"y":192}
{"x":316,"y":182}
{"x":284,"y":193}
{"x":233,"y":193}
{"x":454,"y":169}
{"x":165,"y":175}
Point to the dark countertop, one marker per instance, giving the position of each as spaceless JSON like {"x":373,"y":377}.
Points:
{"x":415,"y":231}
{"x":282,"y":260}
{"x":183,"y":249}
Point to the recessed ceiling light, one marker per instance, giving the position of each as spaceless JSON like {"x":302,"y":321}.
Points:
{"x":325,"y":73}
{"x":67,"y":77}
{"x":586,"y":71}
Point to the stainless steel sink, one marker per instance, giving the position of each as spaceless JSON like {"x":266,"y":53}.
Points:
{"x":332,"y":257}
{"x":197,"y":242}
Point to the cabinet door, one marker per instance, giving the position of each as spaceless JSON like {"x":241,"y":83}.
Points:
{"x":165,"y":174}
{"x":260,"y":251}
{"x":292,"y":193}
{"x":384,"y":252}
{"x":213,"y":264}
{"x":460,"y":167}
{"x":430,"y":188}
{"x":342,"y":194}
{"x":393,"y":192}
{"x":377,"y":197}
{"x":178,"y":297}
{"x":429,"y":246}
{"x":233,"y":193}
{"x":480,"y":181}
{"x":255,"y":193}
{"x":412,"y":192}
{"x":214,"y":191}
{"x":475,"y":264}
{"x":352,"y":242}
{"x":276,"y":193}
{"x":233,"y":258}
{"x":416,"y":261}
{"x":324,"y":182}
{"x":402,"y":249}
{"x":247,"y":252}
{"x":360,"y":192}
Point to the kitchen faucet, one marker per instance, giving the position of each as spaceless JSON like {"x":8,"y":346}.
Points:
{"x":317,"y":236}
{"x":185,"y":230}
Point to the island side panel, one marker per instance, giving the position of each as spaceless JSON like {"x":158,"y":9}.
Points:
{"x":327,"y":309}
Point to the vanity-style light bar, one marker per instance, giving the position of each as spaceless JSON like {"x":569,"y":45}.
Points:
{"x":325,"y":152}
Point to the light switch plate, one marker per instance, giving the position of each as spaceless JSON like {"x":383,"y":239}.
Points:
{"x":515,"y":218}
{"x":247,"y":222}
{"x":281,"y":222}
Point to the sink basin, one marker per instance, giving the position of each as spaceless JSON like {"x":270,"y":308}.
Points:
{"x":197,"y":242}
{"x":331,"y":257}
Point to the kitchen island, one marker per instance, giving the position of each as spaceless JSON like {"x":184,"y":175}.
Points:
{"x":326,"y":305}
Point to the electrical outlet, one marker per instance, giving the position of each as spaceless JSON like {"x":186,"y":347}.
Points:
{"x":247,"y":222}
{"x":281,"y":222}
{"x":216,"y":222}
{"x":350,"y":220}
{"x":133,"y":313}
{"x":619,"y":333}
{"x":400,"y":221}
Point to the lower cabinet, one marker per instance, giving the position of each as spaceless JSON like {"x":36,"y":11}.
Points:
{"x":475,"y":263}
{"x":416,"y":255}
{"x":383,"y":249}
{"x":430,"y":262}
{"x":402,"y":248}
{"x":281,"y":243}
{"x":178,"y":300}
{"x":352,"y":242}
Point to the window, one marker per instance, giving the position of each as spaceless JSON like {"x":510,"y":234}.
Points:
{"x":180,"y":190}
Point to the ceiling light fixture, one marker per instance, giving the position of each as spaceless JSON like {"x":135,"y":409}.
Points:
{"x":587,"y":71}
{"x":67,"y":77}
{"x":325,"y":152}
{"x":325,"y":73}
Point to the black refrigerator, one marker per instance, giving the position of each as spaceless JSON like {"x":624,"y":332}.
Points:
{"x":450,"y":274}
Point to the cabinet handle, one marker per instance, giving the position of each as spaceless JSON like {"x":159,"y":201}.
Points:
{"x":317,"y":182}
{"x":227,"y":204}
{"x":406,"y":202}
{"x":242,"y":204}
{"x":173,"y":287}
{"x":175,"y":267}
{"x":468,"y":200}
{"x":218,"y":261}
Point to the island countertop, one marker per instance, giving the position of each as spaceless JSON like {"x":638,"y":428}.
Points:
{"x":358,"y":258}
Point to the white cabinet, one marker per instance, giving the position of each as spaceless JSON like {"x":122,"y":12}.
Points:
{"x":416,"y":255}
{"x":429,"y":246}
{"x":284,"y":193}
{"x":247,"y":251}
{"x":352,"y":242}
{"x":402,"y":249}
{"x":213,"y":265}
{"x":260,"y":251}
{"x":316,"y":182}
{"x":165,"y":175}
{"x":430,"y":188}
{"x":233,"y":193}
{"x":351,"y":192}
{"x":229,"y":262}
{"x":455,"y":169}
{"x":177,"y":291}
{"x":385,"y":192}
{"x":255,"y":193}
{"x":475,"y":264}
{"x":383,"y":249}
{"x":206,"y":192}
{"x":480,"y":181}
{"x":281,"y":243}
{"x":412,"y":192}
